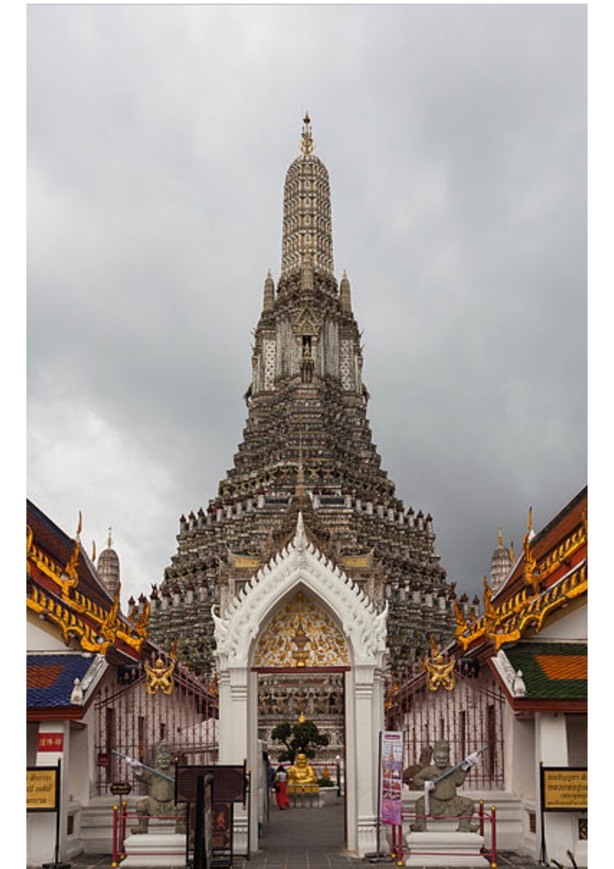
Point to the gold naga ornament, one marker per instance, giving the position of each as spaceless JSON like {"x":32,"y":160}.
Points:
{"x":530,"y":571}
{"x":439,"y":671}
{"x":160,"y":676}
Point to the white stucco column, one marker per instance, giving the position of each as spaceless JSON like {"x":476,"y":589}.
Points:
{"x":233,"y":713}
{"x":366,"y":757}
{"x":233,"y":736}
{"x":41,"y":826}
{"x":551,"y":750}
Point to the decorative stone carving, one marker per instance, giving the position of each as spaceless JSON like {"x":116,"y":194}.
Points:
{"x":300,"y":565}
{"x":324,"y":646}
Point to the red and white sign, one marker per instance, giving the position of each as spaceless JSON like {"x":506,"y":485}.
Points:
{"x":50,"y":742}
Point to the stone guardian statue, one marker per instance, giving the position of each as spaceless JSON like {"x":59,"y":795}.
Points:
{"x":160,"y":782}
{"x":440,"y":781}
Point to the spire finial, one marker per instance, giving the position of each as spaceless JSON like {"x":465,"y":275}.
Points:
{"x":109,"y":539}
{"x":269,"y":292}
{"x":500,"y":537}
{"x":300,"y":476}
{"x":344,"y":293}
{"x":306,"y":138}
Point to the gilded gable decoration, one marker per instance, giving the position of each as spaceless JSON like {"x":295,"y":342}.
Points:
{"x":302,"y":634}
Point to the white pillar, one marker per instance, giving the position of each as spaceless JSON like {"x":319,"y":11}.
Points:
{"x":365,"y":719}
{"x":551,"y":750}
{"x":41,"y":826}
{"x":233,"y":739}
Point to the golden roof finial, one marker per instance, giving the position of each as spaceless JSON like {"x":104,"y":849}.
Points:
{"x":500,"y":537}
{"x":306,"y":138}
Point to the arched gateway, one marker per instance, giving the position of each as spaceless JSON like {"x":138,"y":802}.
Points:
{"x":301,"y":569}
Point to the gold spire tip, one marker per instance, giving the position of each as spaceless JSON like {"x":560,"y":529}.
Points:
{"x":307,"y":145}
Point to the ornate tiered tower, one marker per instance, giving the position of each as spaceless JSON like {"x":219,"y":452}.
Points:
{"x":501,"y":564}
{"x":307,"y":446}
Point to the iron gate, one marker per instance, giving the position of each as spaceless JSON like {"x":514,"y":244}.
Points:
{"x":132,"y":722}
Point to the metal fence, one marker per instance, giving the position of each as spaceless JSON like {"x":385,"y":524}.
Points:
{"x":469,"y":718}
{"x":132,"y":722}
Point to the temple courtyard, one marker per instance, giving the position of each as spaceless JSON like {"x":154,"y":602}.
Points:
{"x":305,"y":838}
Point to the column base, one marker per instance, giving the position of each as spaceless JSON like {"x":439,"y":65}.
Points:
{"x":445,"y":849}
{"x":155,"y":849}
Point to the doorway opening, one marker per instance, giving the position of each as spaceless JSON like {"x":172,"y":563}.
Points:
{"x":311,"y":694}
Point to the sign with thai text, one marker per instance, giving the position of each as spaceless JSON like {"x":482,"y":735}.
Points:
{"x":50,"y":742}
{"x":42,"y":788}
{"x":564,"y":789}
{"x":391,"y":777}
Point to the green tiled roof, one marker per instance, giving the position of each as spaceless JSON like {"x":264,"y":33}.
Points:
{"x":552,"y":671}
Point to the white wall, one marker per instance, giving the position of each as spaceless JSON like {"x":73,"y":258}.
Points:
{"x":41,"y":637}
{"x":572,"y":625}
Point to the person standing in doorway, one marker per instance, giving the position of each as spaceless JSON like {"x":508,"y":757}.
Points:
{"x":281,"y":788}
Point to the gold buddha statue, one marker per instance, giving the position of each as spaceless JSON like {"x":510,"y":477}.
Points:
{"x":301,"y":777}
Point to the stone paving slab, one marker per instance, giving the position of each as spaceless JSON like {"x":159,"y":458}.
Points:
{"x":306,"y":838}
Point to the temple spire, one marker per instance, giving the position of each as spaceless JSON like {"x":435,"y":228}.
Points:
{"x":269,"y":292}
{"x":344,"y":294}
{"x":307,"y":227}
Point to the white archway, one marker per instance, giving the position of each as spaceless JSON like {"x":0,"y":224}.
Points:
{"x":301,"y":565}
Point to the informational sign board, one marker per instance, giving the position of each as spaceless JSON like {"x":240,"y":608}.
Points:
{"x":391,"y":777}
{"x":229,"y":783}
{"x":42,"y":788}
{"x":564,"y":789}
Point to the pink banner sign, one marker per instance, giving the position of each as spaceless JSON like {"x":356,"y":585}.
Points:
{"x":391,"y":777}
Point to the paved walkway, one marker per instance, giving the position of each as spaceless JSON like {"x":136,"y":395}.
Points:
{"x":305,"y":838}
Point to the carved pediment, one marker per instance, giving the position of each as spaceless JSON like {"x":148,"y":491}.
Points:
{"x":300,"y":567}
{"x":302,"y":634}
{"x":307,"y":322}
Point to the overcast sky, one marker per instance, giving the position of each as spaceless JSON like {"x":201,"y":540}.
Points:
{"x":158,"y":141}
